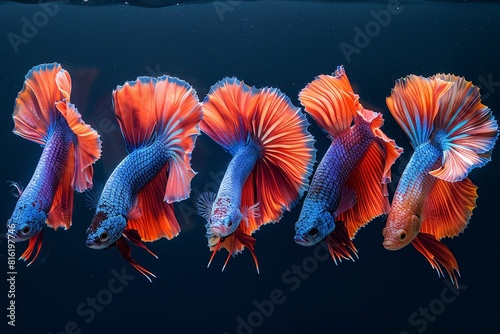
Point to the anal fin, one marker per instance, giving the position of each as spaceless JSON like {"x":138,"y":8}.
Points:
{"x":157,"y":218}
{"x":366,"y":180}
{"x":340,"y":244}
{"x":448,"y":208}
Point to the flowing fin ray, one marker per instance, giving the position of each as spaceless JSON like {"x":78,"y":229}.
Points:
{"x":414,"y":103}
{"x":469,"y":127}
{"x":438,"y":255}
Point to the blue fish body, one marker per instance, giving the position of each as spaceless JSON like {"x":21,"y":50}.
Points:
{"x":317,"y":218}
{"x":226,"y":215}
{"x":35,"y":201}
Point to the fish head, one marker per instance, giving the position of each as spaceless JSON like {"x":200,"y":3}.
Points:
{"x":26,"y":222}
{"x":400,"y":231}
{"x":105,"y":231}
{"x":225,"y":225}
{"x":312,"y":228}
{"x":225,"y":217}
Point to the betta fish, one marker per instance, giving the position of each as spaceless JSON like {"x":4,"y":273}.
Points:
{"x":272,"y":160}
{"x":349,"y":186}
{"x":43,"y":114}
{"x":159,"y":119}
{"x":451,"y":133}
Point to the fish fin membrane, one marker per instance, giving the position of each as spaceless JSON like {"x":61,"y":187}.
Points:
{"x":227,"y":110}
{"x":469,"y":126}
{"x":438,"y":255}
{"x":126,"y":251}
{"x":61,"y":210}
{"x":156,"y":219}
{"x":204,"y":204}
{"x":340,"y":245}
{"x":179,"y":114}
{"x":33,"y":249}
{"x":34,"y":111}
{"x":134,"y":105}
{"x":368,"y":179}
{"x":165,"y":109}
{"x":331,"y":102}
{"x":87,"y":144}
{"x":448,"y":208}
{"x":234,"y":244}
{"x":281,"y":175}
{"x":414,"y":103}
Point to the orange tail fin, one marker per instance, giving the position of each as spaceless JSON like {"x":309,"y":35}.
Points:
{"x":331,"y":102}
{"x":414,"y":103}
{"x":469,"y":126}
{"x":34,"y":111}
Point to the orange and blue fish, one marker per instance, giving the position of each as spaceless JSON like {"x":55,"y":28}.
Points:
{"x":349,"y":186}
{"x":159,"y":119}
{"x":451,"y":133}
{"x":272,"y":160}
{"x":43,"y":114}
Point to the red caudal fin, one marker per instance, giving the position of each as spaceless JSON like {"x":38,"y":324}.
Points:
{"x":438,"y":255}
{"x":414,"y":103}
{"x":134,"y":104}
{"x":235,"y":113}
{"x":30,"y":253}
{"x":34,"y":111}
{"x":468,"y":130}
{"x":226,"y":112}
{"x":331,"y":102}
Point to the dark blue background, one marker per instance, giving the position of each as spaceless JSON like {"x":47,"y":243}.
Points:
{"x":278,"y":44}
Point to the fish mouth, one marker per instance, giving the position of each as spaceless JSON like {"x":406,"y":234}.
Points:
{"x":92,"y":243}
{"x":220,"y":230}
{"x":16,"y":236}
{"x":390,"y":245}
{"x":302,"y":241}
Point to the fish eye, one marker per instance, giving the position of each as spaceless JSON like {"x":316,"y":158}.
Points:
{"x":313,"y":232}
{"x":402,"y":235}
{"x":103,"y":236}
{"x":25,"y":230}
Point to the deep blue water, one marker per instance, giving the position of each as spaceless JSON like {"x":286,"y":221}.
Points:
{"x":279,"y":44}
